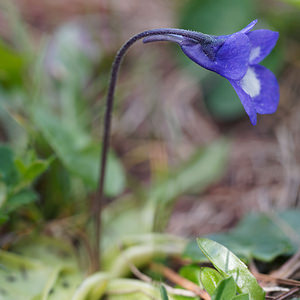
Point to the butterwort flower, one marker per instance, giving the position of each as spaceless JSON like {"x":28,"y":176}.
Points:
{"x":236,"y":57}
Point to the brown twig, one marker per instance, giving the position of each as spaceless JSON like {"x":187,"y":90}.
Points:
{"x":174,"y":291}
{"x":286,"y":295}
{"x":270,"y":278}
{"x":174,"y":277}
{"x":289,"y":267}
{"x":137,"y":273}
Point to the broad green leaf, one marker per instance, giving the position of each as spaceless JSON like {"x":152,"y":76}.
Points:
{"x":260,"y":236}
{"x":229,"y":265}
{"x":210,"y":278}
{"x":43,"y":269}
{"x":257,"y":236}
{"x":241,"y":297}
{"x":48,"y":250}
{"x":65,"y":285}
{"x":289,"y":222}
{"x":206,"y":278}
{"x":163,"y":293}
{"x":225,"y":290}
{"x":31,"y":279}
{"x":80,"y":154}
{"x":23,"y":278}
{"x":142,"y":255}
{"x":93,"y":287}
{"x":192,"y":273}
{"x":145,"y":241}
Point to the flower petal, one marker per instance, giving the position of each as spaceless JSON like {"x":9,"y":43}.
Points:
{"x":246,"y":101}
{"x":266,"y":101}
{"x":195,"y":52}
{"x":249,"y":27}
{"x":258,"y":91}
{"x":233,"y":56}
{"x":262,"y":42}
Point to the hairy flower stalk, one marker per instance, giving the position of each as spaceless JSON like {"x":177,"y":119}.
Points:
{"x":234,"y":57}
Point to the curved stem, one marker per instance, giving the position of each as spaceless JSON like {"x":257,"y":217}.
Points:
{"x":98,"y":200}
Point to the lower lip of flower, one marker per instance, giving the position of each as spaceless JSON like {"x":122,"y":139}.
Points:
{"x":250,"y":83}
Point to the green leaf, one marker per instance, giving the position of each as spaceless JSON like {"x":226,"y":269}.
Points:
{"x":130,"y":289}
{"x":8,"y":172}
{"x":204,"y":168}
{"x":30,"y":279}
{"x":206,"y":278}
{"x":44,"y":268}
{"x":65,"y":285}
{"x":226,"y":290}
{"x":32,"y":170}
{"x":11,"y":65}
{"x":20,"y":199}
{"x":93,"y":287}
{"x":257,"y":236}
{"x":48,"y":250}
{"x":79,"y":154}
{"x":241,"y":297}
{"x":23,"y":278}
{"x":141,"y":255}
{"x":192,"y":273}
{"x":163,"y":293}
{"x":229,"y":265}
{"x":210,"y":279}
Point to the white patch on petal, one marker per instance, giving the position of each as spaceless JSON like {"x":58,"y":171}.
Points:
{"x":254,"y":53}
{"x":250,"y":83}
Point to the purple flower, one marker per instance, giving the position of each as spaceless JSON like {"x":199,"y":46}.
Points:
{"x":236,"y":58}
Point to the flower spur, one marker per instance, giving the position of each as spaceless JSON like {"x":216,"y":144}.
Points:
{"x":236,"y":58}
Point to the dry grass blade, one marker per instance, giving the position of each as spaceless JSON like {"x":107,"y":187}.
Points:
{"x":287,"y":295}
{"x":270,"y":278}
{"x":174,"y":277}
{"x":289,"y":267}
